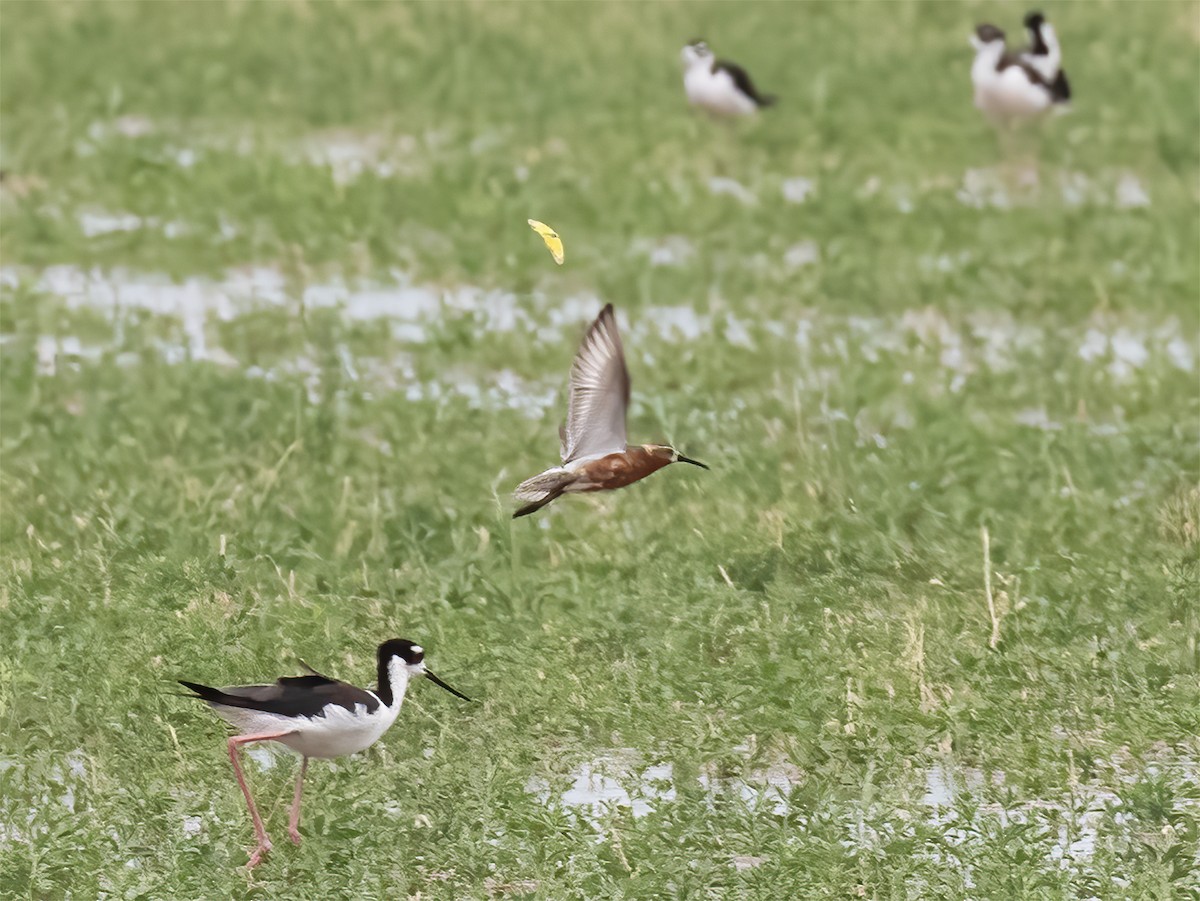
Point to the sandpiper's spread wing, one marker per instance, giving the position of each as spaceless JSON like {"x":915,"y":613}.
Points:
{"x":290,"y":696}
{"x":741,"y":78}
{"x":599,"y":393}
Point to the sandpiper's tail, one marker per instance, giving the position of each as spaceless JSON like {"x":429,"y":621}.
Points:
{"x":541,"y":490}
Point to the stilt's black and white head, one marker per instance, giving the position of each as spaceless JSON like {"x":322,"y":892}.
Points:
{"x":988,"y":37}
{"x":718,"y":86}
{"x":697,"y":53}
{"x":400,"y":652}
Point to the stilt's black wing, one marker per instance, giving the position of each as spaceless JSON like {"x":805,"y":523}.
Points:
{"x":741,"y":78}
{"x":292,"y":696}
{"x":1060,"y":90}
{"x":1015,"y":60}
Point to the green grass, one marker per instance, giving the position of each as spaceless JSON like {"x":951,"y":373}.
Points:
{"x":813,"y":608}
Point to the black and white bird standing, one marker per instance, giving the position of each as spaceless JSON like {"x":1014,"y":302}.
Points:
{"x":315,"y":716}
{"x":1009,"y":89}
{"x":1045,"y":53}
{"x":722,"y":88}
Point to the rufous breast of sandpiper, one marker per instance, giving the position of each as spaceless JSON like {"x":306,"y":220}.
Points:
{"x":595,"y":455}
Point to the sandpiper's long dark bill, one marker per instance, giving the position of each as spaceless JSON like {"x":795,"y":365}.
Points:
{"x":595,"y":454}
{"x":316,"y":716}
{"x":1012,"y":88}
{"x":719,"y":86}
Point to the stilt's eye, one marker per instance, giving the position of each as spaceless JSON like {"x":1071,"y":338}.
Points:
{"x":418,"y":650}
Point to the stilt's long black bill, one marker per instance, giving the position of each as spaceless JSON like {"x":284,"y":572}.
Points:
{"x":438,"y":682}
{"x":683,"y":459}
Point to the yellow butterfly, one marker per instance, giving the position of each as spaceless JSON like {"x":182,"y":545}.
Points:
{"x":553,"y":242}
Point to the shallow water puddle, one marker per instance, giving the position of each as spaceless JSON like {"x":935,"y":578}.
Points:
{"x":500,"y":390}
{"x":669,"y":250}
{"x":192,"y":300}
{"x":18,"y":823}
{"x":805,"y":253}
{"x":349,"y":154}
{"x":619,"y":779}
{"x":592,"y":788}
{"x":994,"y":188}
{"x":608,"y":780}
{"x":263,"y":756}
{"x":1122,"y":345}
{"x":798,"y":190}
{"x":97,"y":223}
{"x":722,"y":186}
{"x":1074,"y":821}
{"x":1071,"y":823}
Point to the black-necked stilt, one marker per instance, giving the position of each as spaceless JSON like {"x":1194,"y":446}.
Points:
{"x":723,"y":88}
{"x":315,"y":716}
{"x":1008,"y":88}
{"x":1045,"y":54}
{"x":594,"y":453}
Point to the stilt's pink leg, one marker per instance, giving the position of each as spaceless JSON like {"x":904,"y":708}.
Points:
{"x":294,"y":819}
{"x":264,"y":843}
